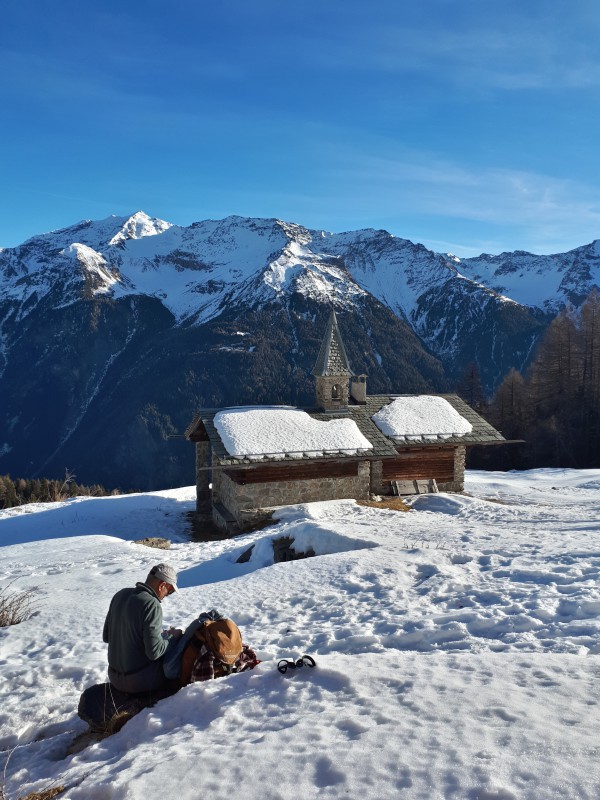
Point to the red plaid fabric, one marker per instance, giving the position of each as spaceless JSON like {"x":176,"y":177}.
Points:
{"x":247,"y":659}
{"x":206,"y":667}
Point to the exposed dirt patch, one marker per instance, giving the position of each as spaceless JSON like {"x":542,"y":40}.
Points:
{"x":393,"y":503}
{"x":154,"y":541}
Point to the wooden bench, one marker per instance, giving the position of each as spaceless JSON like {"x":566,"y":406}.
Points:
{"x":428,"y":486}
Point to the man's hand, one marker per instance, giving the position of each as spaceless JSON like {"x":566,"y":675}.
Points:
{"x":175,"y":633}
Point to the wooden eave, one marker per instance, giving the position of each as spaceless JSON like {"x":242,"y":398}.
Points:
{"x":196,"y":431}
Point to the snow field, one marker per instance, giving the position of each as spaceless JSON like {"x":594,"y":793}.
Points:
{"x":457,"y":649}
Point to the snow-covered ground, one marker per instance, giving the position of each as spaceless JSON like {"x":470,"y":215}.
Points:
{"x":457,"y":649}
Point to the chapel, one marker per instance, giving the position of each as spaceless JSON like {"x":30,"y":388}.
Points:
{"x":249,"y":460}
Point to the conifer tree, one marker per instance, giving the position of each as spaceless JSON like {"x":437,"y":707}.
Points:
{"x":555,"y":408}
{"x":590,"y":378}
{"x":554,"y":378}
{"x":470,"y":387}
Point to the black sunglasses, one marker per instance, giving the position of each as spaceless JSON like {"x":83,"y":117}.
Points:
{"x":305,"y":661}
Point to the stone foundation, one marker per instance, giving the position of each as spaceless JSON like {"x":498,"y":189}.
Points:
{"x":377,"y":485}
{"x":237,"y":507}
{"x":460,"y":455}
{"x":251,"y":503}
{"x":451,"y":486}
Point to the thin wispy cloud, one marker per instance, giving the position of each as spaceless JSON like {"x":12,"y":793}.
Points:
{"x":386,"y":185}
{"x":532,"y":46}
{"x":457,"y":122}
{"x":496,"y":59}
{"x":548,"y":212}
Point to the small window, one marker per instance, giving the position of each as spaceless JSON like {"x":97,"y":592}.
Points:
{"x":336,"y":392}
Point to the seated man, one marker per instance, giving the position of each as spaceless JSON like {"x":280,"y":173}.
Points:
{"x":210,"y":648}
{"x":134,"y":633}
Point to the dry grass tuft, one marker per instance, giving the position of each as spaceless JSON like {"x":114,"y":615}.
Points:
{"x":45,"y":794}
{"x":117,"y":721}
{"x":16,"y":607}
{"x":393,"y":503}
{"x":154,"y":541}
{"x":99,"y":732}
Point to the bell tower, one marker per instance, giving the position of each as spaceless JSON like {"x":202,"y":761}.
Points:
{"x":332,"y":370}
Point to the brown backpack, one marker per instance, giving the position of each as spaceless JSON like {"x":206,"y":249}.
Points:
{"x":222,"y":637}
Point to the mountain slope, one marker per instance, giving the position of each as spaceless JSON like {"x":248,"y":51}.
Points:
{"x":546,"y":282}
{"x":112,"y":332}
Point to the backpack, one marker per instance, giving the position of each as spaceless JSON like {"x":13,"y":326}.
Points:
{"x":218,"y":643}
{"x":221,"y":636}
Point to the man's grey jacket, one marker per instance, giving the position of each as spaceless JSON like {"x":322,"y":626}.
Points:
{"x":133,"y":631}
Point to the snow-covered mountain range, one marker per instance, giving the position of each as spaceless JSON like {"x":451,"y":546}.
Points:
{"x":136,"y":320}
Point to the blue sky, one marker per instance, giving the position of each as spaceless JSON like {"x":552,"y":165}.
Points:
{"x":468,"y":125}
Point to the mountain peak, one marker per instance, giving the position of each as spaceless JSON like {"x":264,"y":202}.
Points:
{"x":137,"y":226}
{"x":294,"y":231}
{"x":101,"y":233}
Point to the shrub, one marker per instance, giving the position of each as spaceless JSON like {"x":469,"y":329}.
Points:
{"x":15,"y":607}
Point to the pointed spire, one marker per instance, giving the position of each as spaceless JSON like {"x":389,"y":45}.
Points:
{"x":332,"y":359}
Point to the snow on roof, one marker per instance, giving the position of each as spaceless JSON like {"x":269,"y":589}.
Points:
{"x":420,"y":417}
{"x":277,"y":431}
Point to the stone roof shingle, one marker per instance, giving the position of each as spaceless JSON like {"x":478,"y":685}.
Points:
{"x":383,"y":446}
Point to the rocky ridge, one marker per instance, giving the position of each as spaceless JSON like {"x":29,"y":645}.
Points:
{"x":113,"y":331}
